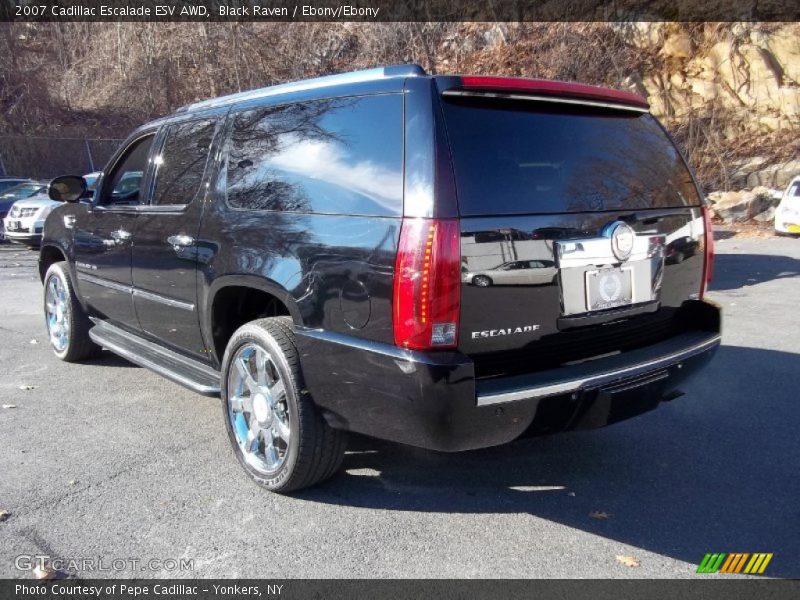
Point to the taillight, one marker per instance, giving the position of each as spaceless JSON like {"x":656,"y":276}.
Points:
{"x":427,"y":284}
{"x":708,"y":259}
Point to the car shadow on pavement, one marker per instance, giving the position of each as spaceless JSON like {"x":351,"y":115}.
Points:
{"x":713,"y":471}
{"x":735,"y":271}
{"x":109,"y":359}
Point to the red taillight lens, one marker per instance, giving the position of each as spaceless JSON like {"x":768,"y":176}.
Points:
{"x":708,"y":260}
{"x":427,"y":284}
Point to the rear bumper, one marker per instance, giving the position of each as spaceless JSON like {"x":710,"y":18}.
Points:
{"x":434,"y":401}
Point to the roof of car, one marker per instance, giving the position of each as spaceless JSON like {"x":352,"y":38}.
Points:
{"x":392,"y":78}
{"x":328,"y":81}
{"x":542,"y":88}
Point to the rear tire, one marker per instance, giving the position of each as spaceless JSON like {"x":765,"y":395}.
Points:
{"x":67,"y":324}
{"x":276,"y":431}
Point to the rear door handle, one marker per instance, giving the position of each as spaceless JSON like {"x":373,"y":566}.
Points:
{"x":180,"y":241}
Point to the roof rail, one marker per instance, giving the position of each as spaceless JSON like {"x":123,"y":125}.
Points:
{"x":410,"y":70}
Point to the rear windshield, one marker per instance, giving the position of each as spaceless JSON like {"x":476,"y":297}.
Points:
{"x":520,"y":157}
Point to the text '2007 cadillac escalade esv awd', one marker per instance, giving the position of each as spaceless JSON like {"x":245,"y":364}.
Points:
{"x":449,"y":262}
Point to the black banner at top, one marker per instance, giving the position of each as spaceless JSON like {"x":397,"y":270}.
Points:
{"x":398,"y":10}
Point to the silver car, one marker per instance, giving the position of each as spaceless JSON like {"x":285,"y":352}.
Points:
{"x":25,"y":220}
{"x":15,"y":193}
{"x":515,"y":272}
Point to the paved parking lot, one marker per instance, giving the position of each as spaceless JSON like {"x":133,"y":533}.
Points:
{"x":109,"y":460}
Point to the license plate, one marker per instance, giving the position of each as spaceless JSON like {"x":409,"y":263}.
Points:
{"x":13,"y":225}
{"x":608,"y":288}
{"x":793,"y":228}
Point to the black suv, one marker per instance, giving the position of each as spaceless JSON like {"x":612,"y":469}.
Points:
{"x":303,"y":251}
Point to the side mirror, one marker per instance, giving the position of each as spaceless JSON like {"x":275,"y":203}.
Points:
{"x":67,"y":188}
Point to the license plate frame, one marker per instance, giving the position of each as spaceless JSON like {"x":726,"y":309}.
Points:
{"x":609,"y":287}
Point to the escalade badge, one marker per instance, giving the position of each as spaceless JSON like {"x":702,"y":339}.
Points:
{"x":622,"y":237}
{"x":490,"y":333}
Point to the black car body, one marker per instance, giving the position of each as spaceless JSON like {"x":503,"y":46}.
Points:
{"x":352,"y":204}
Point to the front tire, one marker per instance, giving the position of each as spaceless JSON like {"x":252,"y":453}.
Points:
{"x":67,"y":323}
{"x":481,"y":281}
{"x":275,"y":429}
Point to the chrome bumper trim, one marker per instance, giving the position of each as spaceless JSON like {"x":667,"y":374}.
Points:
{"x":599,"y":379}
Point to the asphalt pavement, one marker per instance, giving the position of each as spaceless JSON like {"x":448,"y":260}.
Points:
{"x":106,"y":461}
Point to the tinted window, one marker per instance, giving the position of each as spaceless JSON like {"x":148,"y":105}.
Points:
{"x":794,"y":190}
{"x":329,"y":156}
{"x":125,"y":181}
{"x":510,"y":158}
{"x":183,"y":161}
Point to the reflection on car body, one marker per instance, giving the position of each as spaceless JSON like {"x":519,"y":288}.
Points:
{"x":680,"y":249}
{"x":515,"y":272}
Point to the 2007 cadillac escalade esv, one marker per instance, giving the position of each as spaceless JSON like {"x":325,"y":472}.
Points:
{"x":321,"y":254}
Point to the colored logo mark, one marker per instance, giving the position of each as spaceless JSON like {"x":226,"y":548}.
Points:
{"x":742,"y":562}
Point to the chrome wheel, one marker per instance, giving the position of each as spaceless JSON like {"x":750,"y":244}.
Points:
{"x":56,"y":312}
{"x":258,"y":408}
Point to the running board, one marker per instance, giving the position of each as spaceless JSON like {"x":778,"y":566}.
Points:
{"x":189,"y":373}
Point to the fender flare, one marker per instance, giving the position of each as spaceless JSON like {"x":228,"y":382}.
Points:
{"x":242,"y":280}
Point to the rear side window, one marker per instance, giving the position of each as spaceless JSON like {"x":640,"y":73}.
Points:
{"x":339,"y":156}
{"x":521,"y":157}
{"x":183,"y":161}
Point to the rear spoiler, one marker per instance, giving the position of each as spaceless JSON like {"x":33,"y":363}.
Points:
{"x":546,"y":91}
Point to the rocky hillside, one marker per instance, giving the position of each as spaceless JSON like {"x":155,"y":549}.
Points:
{"x":741,"y":82}
{"x":728,"y":92}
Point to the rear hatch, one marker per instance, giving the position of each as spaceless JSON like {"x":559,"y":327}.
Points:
{"x":581,"y":227}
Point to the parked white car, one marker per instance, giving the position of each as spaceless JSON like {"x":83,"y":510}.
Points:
{"x":14,"y":194}
{"x":25,"y":220}
{"x":787,"y":215}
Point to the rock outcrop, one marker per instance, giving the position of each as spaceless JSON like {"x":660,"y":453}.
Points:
{"x":738,"y":207}
{"x":739,"y":80}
